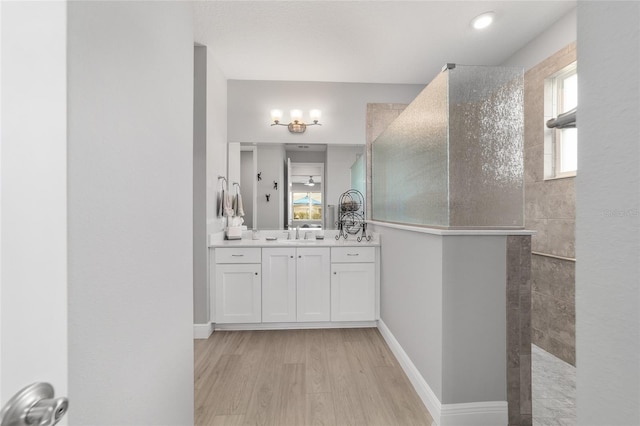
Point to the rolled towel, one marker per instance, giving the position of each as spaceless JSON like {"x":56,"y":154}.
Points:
{"x":238,"y":208}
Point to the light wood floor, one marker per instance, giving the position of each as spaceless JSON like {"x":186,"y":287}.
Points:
{"x":302,"y":377}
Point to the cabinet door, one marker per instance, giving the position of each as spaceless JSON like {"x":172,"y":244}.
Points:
{"x":279,"y":284}
{"x":353,"y":292}
{"x":238,"y":293}
{"x":313,"y":284}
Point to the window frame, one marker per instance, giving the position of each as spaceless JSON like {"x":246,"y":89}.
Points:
{"x":557,"y":86}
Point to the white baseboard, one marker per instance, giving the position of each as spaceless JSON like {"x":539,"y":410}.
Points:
{"x":428,"y":397}
{"x":491,"y":413}
{"x":202,"y":331}
{"x":296,"y":325}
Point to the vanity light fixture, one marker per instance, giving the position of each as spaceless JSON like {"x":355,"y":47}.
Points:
{"x":296,"y":125}
{"x":483,"y":20}
{"x":310,"y":182}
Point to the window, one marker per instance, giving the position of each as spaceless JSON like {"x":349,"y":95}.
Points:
{"x":563,"y":146}
{"x":307,"y":206}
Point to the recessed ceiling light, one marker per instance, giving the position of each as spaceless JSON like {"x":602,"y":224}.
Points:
{"x":483,"y":21}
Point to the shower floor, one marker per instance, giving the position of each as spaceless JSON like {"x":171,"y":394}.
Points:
{"x":553,"y":388}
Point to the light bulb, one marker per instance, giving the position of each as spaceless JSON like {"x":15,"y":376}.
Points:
{"x":296,"y":115}
{"x":315,"y":115}
{"x":276,"y":114}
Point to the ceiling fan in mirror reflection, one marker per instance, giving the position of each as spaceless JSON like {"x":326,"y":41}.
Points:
{"x":296,"y":125}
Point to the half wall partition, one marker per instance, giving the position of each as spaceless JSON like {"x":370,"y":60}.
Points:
{"x":455,"y":284}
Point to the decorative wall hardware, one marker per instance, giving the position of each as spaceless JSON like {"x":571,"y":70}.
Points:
{"x":267,"y":195}
{"x":260,"y":176}
{"x":275,"y":185}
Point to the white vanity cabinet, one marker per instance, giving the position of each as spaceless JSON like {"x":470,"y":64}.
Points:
{"x":287,"y":284}
{"x":279,"y":284}
{"x":313,"y":284}
{"x":238,"y":285}
{"x":353,"y":284}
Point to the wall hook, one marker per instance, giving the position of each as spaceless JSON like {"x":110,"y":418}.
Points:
{"x":267,"y":195}
{"x":275,"y":185}
{"x":259,"y":176}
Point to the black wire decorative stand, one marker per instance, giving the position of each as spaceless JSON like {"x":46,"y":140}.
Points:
{"x":351,"y":219}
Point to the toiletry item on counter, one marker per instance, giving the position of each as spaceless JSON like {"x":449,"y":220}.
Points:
{"x":234,"y":232}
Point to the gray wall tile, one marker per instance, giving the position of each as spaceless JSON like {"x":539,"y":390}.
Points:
{"x":549,"y":210}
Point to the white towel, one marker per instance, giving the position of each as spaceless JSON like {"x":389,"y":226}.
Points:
{"x":238,"y":208}
{"x":228,"y":209}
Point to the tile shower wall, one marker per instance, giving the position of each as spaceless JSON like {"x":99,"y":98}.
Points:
{"x":549,"y":210}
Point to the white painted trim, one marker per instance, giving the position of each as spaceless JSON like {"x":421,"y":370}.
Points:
{"x":426,"y":394}
{"x":447,"y":232}
{"x":491,"y":413}
{"x":202,"y":331}
{"x":297,"y":325}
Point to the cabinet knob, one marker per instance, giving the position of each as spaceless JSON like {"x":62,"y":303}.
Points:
{"x":292,"y":257}
{"x":300,"y":257}
{"x":335,"y":273}
{"x":256,"y":273}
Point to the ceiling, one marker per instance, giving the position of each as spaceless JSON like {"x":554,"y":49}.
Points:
{"x":364,"y":41}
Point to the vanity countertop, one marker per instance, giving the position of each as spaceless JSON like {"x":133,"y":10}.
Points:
{"x":327,"y":242}
{"x":265,"y":240}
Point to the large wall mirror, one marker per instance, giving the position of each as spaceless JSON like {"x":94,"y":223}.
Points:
{"x":291,"y":185}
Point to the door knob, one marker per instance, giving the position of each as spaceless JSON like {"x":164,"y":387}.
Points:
{"x":34,"y":406}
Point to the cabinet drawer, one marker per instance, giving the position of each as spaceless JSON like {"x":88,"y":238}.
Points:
{"x":238,"y":255}
{"x":353,"y":254}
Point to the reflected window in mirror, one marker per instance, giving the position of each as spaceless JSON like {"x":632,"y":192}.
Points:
{"x":307,"y":209}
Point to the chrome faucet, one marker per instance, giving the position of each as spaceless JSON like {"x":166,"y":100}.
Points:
{"x":297,"y":233}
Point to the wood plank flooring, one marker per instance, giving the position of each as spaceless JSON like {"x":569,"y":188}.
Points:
{"x":302,"y":377}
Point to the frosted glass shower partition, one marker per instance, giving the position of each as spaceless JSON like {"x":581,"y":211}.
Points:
{"x":454,"y":157}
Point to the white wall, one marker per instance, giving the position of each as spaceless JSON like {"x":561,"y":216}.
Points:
{"x":444,"y":300}
{"x":216,"y":140}
{"x":338,"y":170}
{"x":557,"y":36}
{"x":474,"y":350}
{"x":343,"y":106}
{"x":200,"y":247}
{"x":608,"y":215}
{"x":411,"y":298}
{"x":247,"y":184}
{"x":33,"y":192}
{"x":271,"y":165}
{"x":130,"y":141}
